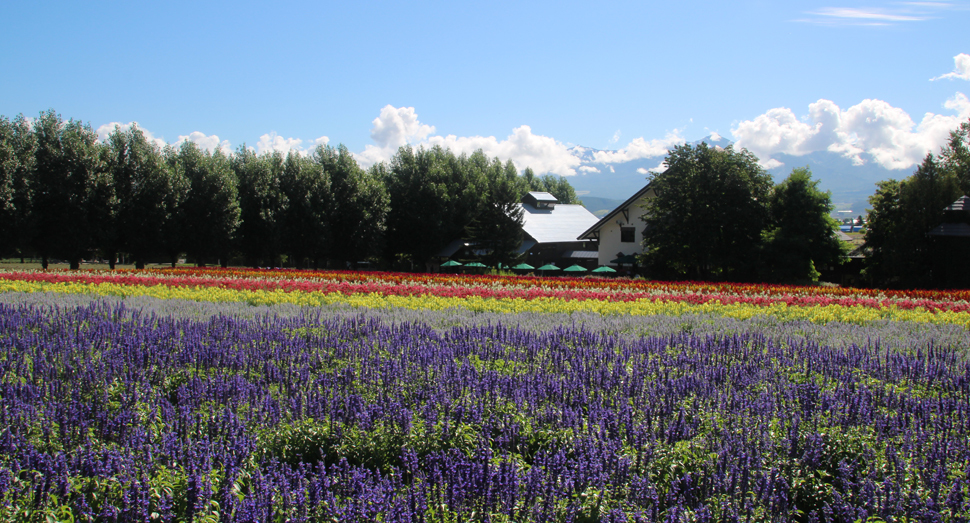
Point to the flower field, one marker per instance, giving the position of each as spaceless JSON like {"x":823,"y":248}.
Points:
{"x":243,"y":395}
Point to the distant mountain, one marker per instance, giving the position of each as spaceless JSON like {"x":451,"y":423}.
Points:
{"x":600,"y":206}
{"x":603,"y":185}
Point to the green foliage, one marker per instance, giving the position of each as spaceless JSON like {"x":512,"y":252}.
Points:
{"x":9,"y":163}
{"x":898,"y":251}
{"x":69,"y":187}
{"x":211,"y":208}
{"x":708,"y":216}
{"x":497,"y":228}
{"x":358,"y":208}
{"x":306,"y":188}
{"x":434,"y":197}
{"x":801,"y":234}
{"x":262,"y":206}
{"x":955,"y":156}
{"x":142,"y":191}
{"x":557,"y":186}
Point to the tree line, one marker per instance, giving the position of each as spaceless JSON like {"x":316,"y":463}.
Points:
{"x":66,"y":195}
{"x":718,"y":216}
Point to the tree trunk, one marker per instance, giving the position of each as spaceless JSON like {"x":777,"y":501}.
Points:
{"x":44,"y":262}
{"x":75,"y":264}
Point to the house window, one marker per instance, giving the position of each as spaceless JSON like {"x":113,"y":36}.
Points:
{"x":627,"y":234}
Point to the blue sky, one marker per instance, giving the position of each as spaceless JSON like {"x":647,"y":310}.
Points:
{"x":523,"y":80}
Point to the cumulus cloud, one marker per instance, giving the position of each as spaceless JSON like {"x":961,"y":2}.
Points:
{"x":399,"y":126}
{"x":588,"y":169}
{"x":396,"y":126}
{"x":274,"y":143}
{"x":640,"y":148}
{"x":641,"y":170}
{"x":105,"y":130}
{"x":961,"y":68}
{"x":715,"y":136}
{"x":887,"y":134}
{"x":542,"y":153}
{"x":208,"y":142}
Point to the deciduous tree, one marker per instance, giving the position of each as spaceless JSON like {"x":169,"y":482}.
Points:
{"x":262,"y":206}
{"x":358,"y":209}
{"x":211,"y":208}
{"x":67,"y":183}
{"x":307,"y":190}
{"x":801,"y":234}
{"x":898,"y":250}
{"x":708,"y":216}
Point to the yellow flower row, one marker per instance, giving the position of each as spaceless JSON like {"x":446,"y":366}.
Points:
{"x":817,"y":314}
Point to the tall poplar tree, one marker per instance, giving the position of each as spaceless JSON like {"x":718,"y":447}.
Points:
{"x":66,"y":186}
{"x":210,"y":209}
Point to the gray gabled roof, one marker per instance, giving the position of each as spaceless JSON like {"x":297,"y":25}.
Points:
{"x":564,"y":223}
{"x":604,"y":220}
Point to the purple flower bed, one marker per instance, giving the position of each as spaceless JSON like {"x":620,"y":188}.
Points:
{"x":114,"y":413}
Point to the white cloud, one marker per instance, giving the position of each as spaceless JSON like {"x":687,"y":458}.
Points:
{"x":207,"y":142}
{"x":874,"y":14}
{"x":399,"y":126}
{"x":658,"y":169}
{"x":612,"y":170}
{"x":589,"y":169}
{"x":639,"y":148}
{"x":873,"y":127}
{"x":396,"y":126}
{"x":641,"y":170}
{"x":961,"y":68}
{"x":105,"y":130}
{"x":715,"y":136}
{"x":542,"y":153}
{"x":272,"y":142}
{"x":616,"y":137}
{"x":900,"y":12}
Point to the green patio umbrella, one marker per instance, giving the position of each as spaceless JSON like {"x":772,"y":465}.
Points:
{"x":475,"y":264}
{"x":604,"y":269}
{"x":574,"y":268}
{"x":524,"y":267}
{"x":549,"y":267}
{"x":451,"y":263}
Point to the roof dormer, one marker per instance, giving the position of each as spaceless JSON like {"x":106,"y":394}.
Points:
{"x":540,"y":200}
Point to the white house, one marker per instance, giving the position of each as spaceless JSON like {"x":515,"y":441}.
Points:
{"x":620,"y":233}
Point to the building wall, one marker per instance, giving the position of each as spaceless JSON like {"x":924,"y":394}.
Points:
{"x":609,"y":242}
